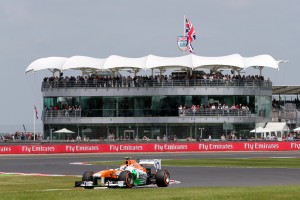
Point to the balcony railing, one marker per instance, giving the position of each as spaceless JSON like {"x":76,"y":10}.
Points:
{"x":216,"y":112}
{"x":152,"y":83}
{"x":51,"y":114}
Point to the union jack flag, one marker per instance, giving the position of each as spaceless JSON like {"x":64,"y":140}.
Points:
{"x":36,"y":112}
{"x":190,"y":32}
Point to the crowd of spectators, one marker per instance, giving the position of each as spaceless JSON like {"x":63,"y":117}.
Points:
{"x":291,"y":136}
{"x":148,"y":81}
{"x":64,"y":107}
{"x":67,"y":110}
{"x":214,"y":109}
{"x":232,"y":136}
{"x":21,"y":136}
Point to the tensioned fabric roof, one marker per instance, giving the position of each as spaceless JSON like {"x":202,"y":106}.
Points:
{"x":115,"y":62}
{"x":82,"y":62}
{"x":50,"y":63}
{"x":262,"y":60}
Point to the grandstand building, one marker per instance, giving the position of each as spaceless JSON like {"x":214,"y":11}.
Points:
{"x":178,"y":98}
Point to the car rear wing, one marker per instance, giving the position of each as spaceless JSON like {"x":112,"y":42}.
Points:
{"x":155,"y":162}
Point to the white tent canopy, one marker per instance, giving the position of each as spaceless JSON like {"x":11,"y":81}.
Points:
{"x":261,"y":130}
{"x":297,"y":129}
{"x":277,"y":126}
{"x":271,"y":130}
{"x":64,"y":130}
{"x":115,"y":62}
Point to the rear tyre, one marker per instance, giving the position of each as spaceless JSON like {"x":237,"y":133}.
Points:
{"x":162,"y":178}
{"x":127,"y":177}
{"x":88,"y":176}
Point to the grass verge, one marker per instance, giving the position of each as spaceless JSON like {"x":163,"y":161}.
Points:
{"x":60,"y":188}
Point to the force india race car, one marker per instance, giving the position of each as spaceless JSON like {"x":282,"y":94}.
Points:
{"x":131,"y":173}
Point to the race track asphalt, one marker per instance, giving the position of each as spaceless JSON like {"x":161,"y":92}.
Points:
{"x":188,"y":176}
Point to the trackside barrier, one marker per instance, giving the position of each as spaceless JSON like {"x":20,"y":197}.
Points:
{"x":148,"y":147}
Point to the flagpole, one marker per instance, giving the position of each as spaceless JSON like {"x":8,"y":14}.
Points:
{"x":34,"y":116}
{"x":183,"y":25}
{"x":183,"y":52}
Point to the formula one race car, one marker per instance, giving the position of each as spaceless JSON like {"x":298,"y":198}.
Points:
{"x":131,"y":173}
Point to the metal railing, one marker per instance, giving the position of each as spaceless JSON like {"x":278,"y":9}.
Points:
{"x":153,"y":83}
{"x":216,"y":112}
{"x":50,"y":114}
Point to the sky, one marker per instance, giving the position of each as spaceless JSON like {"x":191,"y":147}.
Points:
{"x":33,"y":29}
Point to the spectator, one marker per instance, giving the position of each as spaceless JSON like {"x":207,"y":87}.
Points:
{"x":223,"y":137}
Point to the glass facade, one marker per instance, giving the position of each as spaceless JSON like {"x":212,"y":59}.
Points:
{"x":263,"y":105}
{"x":155,"y":106}
{"x":152,"y":106}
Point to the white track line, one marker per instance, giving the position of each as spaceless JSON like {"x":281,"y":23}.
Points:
{"x":80,"y":163}
{"x":35,"y":174}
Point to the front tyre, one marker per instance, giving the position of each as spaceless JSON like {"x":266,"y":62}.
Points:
{"x":162,"y":178}
{"x":88,"y":176}
{"x":127,"y":177}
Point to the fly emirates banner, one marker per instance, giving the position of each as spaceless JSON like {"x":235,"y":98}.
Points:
{"x":147,"y":147}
